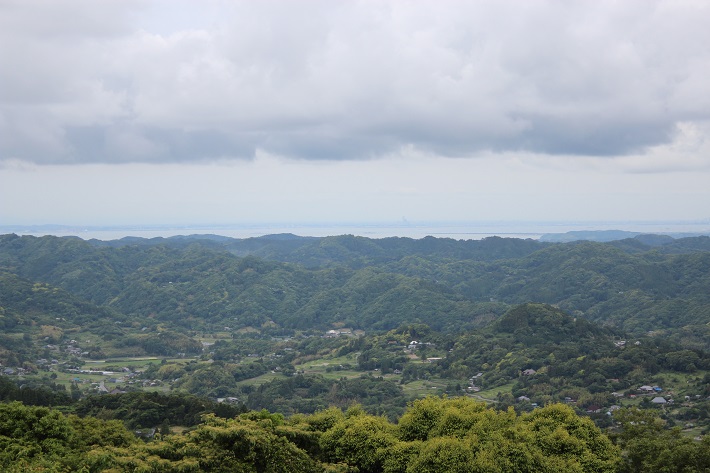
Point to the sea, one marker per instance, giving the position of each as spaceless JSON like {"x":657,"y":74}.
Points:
{"x":455,"y":230}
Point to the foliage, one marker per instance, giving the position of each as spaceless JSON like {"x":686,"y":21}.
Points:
{"x":434,"y":435}
{"x":149,"y":409}
{"x":40,"y":439}
{"x":649,"y":446}
{"x":307,"y":394}
{"x":459,"y":434}
{"x":363,"y":283}
{"x":569,"y":358}
{"x":33,"y":394}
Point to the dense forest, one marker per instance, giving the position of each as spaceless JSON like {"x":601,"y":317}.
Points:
{"x":301,"y":283}
{"x":207,"y":353}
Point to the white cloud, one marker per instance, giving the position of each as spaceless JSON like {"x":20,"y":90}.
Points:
{"x":120,"y":81}
{"x":688,"y":152}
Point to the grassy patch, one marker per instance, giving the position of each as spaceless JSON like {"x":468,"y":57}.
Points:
{"x":693,"y":431}
{"x":330,"y":367}
{"x":259,"y":380}
{"x":422,"y":388}
{"x":137,"y":362}
{"x":492,"y":393}
{"x":679,"y":383}
{"x":325,"y":362}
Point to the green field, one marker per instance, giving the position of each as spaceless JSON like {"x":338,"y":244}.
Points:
{"x":422,"y":388}
{"x":329,"y":367}
{"x":259,"y":380}
{"x":492,"y":393}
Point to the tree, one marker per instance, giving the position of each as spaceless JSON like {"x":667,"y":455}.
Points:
{"x":444,"y":454}
{"x":360,"y":439}
{"x":42,"y":439}
{"x":649,"y":446}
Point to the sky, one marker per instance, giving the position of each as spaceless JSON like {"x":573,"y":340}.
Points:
{"x":118,"y":112}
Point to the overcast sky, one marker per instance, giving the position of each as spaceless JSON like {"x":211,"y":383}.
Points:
{"x":137,"y":112}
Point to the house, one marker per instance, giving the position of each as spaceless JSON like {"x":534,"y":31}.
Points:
{"x":529,"y":372}
{"x":646,"y":388}
{"x":145,"y":433}
{"x":337,"y":333}
{"x":229,"y":400}
{"x":523,"y":399}
{"x":659,"y":400}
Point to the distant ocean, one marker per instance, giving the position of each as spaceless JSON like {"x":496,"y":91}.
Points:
{"x":455,"y":230}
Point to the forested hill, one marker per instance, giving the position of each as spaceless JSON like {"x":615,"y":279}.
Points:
{"x":295,"y":282}
{"x":357,"y":251}
{"x":154,"y":334}
{"x":348,"y":250}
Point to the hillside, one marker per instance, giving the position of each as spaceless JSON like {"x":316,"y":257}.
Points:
{"x":163,"y":324}
{"x":199,"y":283}
{"x":552,"y":356}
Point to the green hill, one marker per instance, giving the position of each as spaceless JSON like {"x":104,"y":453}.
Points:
{"x":374,"y":284}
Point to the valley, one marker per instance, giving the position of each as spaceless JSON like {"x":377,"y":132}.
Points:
{"x":158,"y":333}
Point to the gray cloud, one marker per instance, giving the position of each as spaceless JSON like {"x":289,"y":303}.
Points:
{"x":127,"y":143}
{"x":86,"y":81}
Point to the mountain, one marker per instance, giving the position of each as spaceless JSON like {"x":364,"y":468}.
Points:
{"x":613,"y":235}
{"x":199,"y":283}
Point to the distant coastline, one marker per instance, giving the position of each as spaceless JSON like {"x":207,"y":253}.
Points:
{"x":455,"y":230}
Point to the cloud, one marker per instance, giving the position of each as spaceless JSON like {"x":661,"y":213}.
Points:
{"x":172,"y":81}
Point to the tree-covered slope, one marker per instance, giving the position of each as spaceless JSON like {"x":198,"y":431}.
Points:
{"x":34,"y":314}
{"x":636,"y":292}
{"x":528,"y":336}
{"x":374,"y":284}
{"x":196,"y":285}
{"x":551,"y":356}
{"x":26,"y":303}
{"x":347,"y":250}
